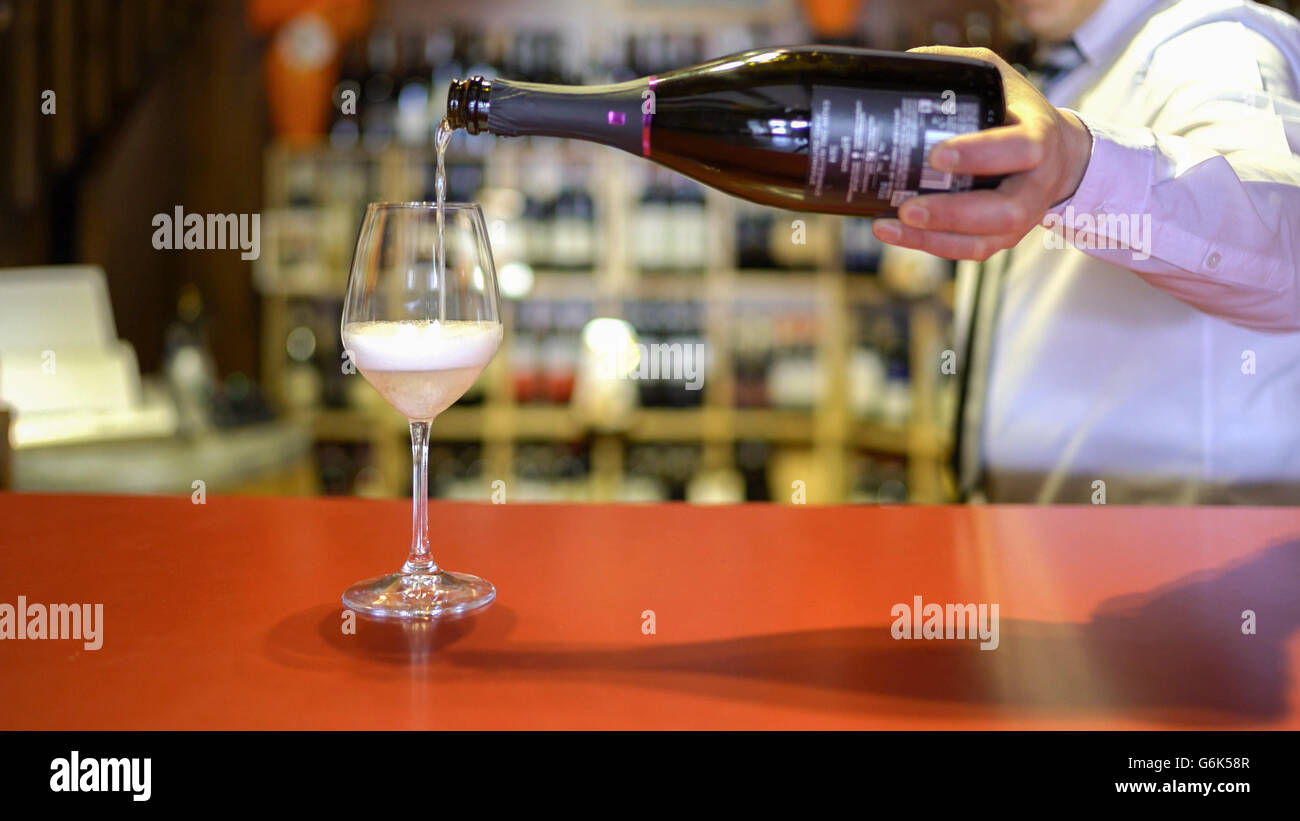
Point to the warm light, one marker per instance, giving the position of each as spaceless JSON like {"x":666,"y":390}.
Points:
{"x":612,"y":343}
{"x":605,"y":333}
{"x":516,"y":280}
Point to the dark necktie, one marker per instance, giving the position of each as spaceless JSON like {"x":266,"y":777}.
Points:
{"x":1052,"y":62}
{"x":972,"y":386}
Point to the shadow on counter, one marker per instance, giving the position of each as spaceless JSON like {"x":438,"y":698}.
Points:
{"x":1175,"y":654}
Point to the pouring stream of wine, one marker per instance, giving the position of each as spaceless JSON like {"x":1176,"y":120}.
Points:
{"x":440,"y":187}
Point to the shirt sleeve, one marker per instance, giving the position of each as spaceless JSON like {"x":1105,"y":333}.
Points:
{"x":1204,"y":202}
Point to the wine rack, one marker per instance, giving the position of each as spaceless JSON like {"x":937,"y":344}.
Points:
{"x":307,"y":253}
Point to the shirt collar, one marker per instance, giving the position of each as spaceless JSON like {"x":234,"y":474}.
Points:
{"x":1111,"y":19}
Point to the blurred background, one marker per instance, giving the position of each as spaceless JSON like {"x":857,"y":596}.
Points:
{"x":129,"y":367}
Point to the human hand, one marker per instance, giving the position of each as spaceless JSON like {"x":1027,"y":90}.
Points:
{"x":1044,"y":151}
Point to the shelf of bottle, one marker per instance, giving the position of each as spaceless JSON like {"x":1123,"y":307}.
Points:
{"x":588,"y":285}
{"x":279,"y":149}
{"x":349,"y":425}
{"x":295,"y":286}
{"x":322,"y":149}
{"x":498,"y":422}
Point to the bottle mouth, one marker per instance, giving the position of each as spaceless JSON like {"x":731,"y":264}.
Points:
{"x":467,"y":104}
{"x":454,"y":103}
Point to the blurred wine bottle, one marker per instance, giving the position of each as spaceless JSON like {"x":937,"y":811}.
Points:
{"x":380,"y":91}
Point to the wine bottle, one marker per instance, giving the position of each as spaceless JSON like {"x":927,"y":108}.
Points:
{"x":810,"y":128}
{"x":411,"y":121}
{"x":380,"y":91}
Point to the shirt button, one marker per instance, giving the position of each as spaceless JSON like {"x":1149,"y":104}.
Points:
{"x":1213,"y":260}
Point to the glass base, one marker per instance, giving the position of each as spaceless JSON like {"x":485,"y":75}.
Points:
{"x":419,"y":595}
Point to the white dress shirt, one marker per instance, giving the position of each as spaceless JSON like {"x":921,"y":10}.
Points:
{"x":1165,"y":365}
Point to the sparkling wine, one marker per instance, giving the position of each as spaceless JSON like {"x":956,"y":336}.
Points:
{"x":441,"y":139}
{"x":421,"y":368}
{"x":809,"y":128}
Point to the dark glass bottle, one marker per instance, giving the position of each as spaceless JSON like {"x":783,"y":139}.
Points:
{"x":809,"y":128}
{"x":380,"y":90}
{"x":411,"y":122}
{"x":345,"y":130}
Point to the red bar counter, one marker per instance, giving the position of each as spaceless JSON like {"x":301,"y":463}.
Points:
{"x":227,"y":615}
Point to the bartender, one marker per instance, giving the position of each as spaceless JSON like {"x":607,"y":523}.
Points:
{"x":1128,"y":320}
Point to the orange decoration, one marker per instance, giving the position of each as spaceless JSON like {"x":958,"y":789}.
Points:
{"x":302,"y":61}
{"x":348,"y":18}
{"x":832,"y":18}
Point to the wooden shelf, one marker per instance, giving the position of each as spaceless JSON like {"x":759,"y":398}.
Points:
{"x":558,"y":423}
{"x":881,"y":436}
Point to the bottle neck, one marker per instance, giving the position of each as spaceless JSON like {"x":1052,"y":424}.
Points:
{"x":608,"y":114}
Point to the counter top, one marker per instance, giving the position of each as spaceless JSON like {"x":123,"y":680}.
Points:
{"x":226,"y":615}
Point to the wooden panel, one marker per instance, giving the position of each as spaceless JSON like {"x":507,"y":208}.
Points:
{"x":6,"y":457}
{"x":25,"y":161}
{"x":129,"y":50}
{"x":63,"y":57}
{"x":220,"y":104}
{"x":97,"y":67}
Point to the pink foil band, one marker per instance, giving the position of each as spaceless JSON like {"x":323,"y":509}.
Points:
{"x":645,"y":122}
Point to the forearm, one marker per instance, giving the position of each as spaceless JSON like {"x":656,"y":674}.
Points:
{"x":1216,"y":231}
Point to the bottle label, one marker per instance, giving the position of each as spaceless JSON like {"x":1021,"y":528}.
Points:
{"x":869,"y":147}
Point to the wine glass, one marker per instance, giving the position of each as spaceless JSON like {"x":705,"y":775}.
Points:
{"x":420,"y":322}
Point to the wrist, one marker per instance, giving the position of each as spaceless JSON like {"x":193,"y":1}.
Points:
{"x":1078,"y":154}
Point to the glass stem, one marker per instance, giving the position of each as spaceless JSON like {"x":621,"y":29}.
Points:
{"x":420,"y":561}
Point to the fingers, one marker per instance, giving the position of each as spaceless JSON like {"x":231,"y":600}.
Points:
{"x":1003,"y":150}
{"x":942,"y":243}
{"x":1015,"y":206}
{"x":977,"y":224}
{"x":971,"y":212}
{"x":987,"y":55}
{"x":1011,"y":78}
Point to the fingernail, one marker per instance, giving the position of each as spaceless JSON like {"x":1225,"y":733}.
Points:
{"x":944,"y":159}
{"x":915,"y":214}
{"x":887,"y":230}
